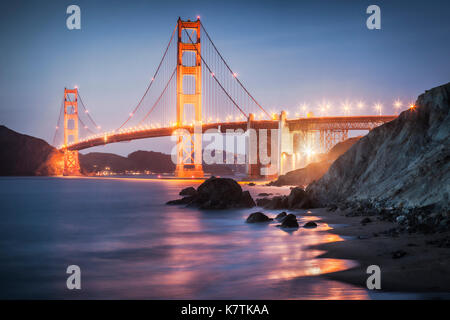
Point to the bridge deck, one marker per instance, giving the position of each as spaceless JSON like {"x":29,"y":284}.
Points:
{"x":313,"y":123}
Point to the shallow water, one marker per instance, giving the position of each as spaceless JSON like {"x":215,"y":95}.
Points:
{"x":128,"y":244}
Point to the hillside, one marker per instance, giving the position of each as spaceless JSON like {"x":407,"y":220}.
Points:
{"x":23,"y":155}
{"x":315,"y":170}
{"x":155,"y":162}
{"x":403,"y":163}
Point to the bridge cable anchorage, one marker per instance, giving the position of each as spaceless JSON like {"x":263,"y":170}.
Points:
{"x":159,"y":98}
{"x":215,"y":78}
{"x":151,"y":81}
{"x":87,"y":112}
{"x":233,"y":74}
{"x":58,"y":122}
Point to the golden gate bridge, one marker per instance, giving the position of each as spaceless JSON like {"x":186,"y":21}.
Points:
{"x":194,"y":90}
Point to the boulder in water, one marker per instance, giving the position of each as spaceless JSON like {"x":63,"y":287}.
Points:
{"x":281,"y":216}
{"x":247,"y":200}
{"x":310,"y":224}
{"x":258,"y":217}
{"x":189,"y":191}
{"x":290,"y":221}
{"x":217,"y":193}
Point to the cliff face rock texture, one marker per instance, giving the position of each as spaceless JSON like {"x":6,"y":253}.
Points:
{"x":23,"y":155}
{"x":403,"y":163}
{"x":315,"y":170}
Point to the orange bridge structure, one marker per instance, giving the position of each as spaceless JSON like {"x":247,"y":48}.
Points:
{"x":194,"y":91}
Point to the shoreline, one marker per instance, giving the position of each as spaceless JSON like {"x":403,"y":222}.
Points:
{"x":408,"y":262}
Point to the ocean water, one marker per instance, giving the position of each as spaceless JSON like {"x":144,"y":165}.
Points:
{"x":130,"y":245}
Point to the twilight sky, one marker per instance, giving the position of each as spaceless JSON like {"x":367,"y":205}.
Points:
{"x":286,"y":52}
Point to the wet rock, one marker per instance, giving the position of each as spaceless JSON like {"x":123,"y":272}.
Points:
{"x":299,"y":199}
{"x":262,"y":202}
{"x":258,"y":217}
{"x":281,"y":216}
{"x":185,"y":200}
{"x":218,"y":193}
{"x":289,"y":221}
{"x":366,"y":221}
{"x":189,"y":191}
{"x":277,"y":202}
{"x":310,"y":224}
{"x":251,"y":184}
{"x":247,"y":200}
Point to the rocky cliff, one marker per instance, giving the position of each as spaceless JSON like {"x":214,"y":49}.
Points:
{"x":403,"y":163}
{"x":315,"y":170}
{"x":23,"y":155}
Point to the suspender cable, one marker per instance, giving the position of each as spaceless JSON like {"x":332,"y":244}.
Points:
{"x":212,"y":74}
{"x":151,"y":82}
{"x":228,"y":67}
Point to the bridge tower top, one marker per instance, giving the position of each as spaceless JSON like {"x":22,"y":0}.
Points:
{"x":70,"y":115}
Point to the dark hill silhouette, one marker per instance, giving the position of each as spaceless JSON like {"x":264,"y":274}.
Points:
{"x":23,"y":155}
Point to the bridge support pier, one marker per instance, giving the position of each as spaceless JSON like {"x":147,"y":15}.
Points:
{"x":71,"y":163}
{"x":262,"y":151}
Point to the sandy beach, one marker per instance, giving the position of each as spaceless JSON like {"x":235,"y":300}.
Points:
{"x":409,"y":262}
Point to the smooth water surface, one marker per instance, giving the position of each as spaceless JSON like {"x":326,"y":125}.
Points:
{"x":129,"y":244}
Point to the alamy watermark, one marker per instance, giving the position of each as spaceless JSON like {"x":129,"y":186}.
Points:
{"x":74,"y":20}
{"x":74,"y":280}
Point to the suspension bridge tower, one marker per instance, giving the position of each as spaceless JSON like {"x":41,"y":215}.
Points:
{"x":71,"y":163}
{"x":189,"y":148}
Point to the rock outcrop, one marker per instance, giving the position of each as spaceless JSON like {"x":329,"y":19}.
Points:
{"x":402,"y":164}
{"x":297,"y":199}
{"x":310,"y":225}
{"x":218,"y":193}
{"x":290,"y":221}
{"x":315,"y":170}
{"x":256,"y":217}
{"x":189,"y":191}
{"x":23,"y":155}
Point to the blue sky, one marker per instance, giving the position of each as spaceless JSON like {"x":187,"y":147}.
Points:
{"x":286,"y":52}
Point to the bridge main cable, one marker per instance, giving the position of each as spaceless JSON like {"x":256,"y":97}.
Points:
{"x":215,"y":78}
{"x":86,"y":111}
{"x":151,"y":82}
{"x":159,"y":98}
{"x":232,"y":73}
{"x":58,"y":122}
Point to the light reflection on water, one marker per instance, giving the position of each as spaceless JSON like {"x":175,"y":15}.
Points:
{"x":130,"y":245}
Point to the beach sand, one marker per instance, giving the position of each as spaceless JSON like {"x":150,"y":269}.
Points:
{"x":424,"y":267}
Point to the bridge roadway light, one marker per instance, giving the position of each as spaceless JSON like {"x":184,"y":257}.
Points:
{"x":378,"y":107}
